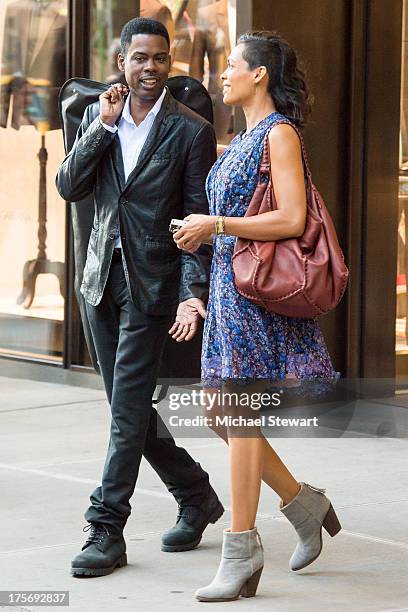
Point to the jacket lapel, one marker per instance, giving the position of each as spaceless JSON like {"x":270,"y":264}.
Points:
{"x":163,"y":122}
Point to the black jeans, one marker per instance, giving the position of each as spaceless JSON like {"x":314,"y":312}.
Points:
{"x":129,"y":346}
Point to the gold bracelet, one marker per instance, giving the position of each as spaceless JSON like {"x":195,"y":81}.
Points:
{"x":220,"y":226}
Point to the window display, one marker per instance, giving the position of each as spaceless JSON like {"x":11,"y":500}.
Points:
{"x":402,"y":262}
{"x":202,"y":33}
{"x":33,"y":60}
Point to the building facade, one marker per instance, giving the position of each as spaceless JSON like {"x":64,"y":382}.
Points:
{"x":355,"y":56}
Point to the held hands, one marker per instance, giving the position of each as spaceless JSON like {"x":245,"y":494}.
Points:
{"x":112,"y":103}
{"x":187,"y":317}
{"x":199,"y":230}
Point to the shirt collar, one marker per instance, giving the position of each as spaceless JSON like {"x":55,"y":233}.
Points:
{"x":153,"y":111}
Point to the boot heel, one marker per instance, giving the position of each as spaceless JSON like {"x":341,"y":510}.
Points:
{"x":249,"y":588}
{"x":217,"y":514}
{"x":122,"y":561}
{"x":331,"y":523}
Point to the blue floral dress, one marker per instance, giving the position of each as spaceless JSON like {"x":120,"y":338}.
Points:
{"x":243,"y":341}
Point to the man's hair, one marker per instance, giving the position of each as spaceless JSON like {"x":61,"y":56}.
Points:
{"x":142,"y":25}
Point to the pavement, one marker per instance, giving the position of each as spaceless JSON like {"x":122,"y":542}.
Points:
{"x":53,"y":441}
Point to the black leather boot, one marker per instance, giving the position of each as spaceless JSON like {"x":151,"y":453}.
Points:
{"x":102,"y":553}
{"x":191,"y":522}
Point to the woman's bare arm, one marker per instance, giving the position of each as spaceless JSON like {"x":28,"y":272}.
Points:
{"x":289,"y":188}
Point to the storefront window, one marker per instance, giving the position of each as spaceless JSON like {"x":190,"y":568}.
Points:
{"x":32,"y":228}
{"x":402,"y":267}
{"x":202,"y":34}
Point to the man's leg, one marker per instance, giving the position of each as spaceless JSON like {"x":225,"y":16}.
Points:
{"x":198,"y":502}
{"x":135,"y":370}
{"x":184,"y":478}
{"x":103,"y":551}
{"x":136,"y":364}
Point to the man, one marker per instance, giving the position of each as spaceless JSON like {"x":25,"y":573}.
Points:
{"x":145,"y":158}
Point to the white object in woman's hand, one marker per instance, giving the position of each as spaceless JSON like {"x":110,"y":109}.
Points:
{"x":198,"y":230}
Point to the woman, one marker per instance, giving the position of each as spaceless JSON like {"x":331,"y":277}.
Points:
{"x":244,"y":344}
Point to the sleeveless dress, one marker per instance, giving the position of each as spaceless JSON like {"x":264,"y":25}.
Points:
{"x":242,"y":341}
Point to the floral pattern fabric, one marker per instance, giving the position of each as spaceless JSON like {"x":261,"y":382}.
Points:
{"x":243,"y":341}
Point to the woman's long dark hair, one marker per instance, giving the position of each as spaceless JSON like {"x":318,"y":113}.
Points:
{"x":287,"y":85}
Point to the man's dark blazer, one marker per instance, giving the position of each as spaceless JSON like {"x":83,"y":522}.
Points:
{"x":33,"y":63}
{"x":180,"y":360}
{"x":168,"y":181}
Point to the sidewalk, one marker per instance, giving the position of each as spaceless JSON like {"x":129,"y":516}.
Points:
{"x":52,"y":446}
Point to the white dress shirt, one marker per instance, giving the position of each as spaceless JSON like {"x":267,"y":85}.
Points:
{"x":132,"y":137}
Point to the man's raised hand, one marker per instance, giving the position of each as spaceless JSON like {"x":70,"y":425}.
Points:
{"x":111,"y":103}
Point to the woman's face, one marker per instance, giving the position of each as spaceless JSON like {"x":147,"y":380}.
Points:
{"x":238,"y":80}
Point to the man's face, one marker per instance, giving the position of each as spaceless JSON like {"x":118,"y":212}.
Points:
{"x":146,"y":65}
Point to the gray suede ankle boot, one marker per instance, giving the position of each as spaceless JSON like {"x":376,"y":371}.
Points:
{"x":240,"y":568}
{"x":308,"y":512}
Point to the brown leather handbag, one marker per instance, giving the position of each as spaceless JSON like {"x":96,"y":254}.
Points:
{"x":296,"y":277}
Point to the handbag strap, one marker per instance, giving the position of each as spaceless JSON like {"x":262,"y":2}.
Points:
{"x":265,"y":167}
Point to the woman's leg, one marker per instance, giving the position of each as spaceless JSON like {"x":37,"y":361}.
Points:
{"x":276,"y":475}
{"x":274,"y":472}
{"x":242,"y":556}
{"x":246,"y":463}
{"x":246,"y":450}
{"x":246,"y":453}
